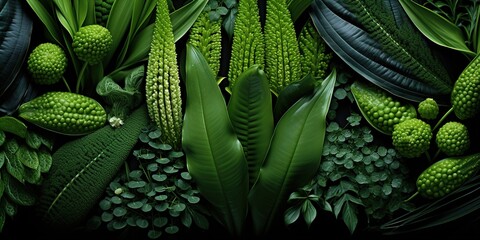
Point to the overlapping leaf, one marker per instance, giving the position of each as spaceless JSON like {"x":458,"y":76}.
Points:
{"x":376,"y":39}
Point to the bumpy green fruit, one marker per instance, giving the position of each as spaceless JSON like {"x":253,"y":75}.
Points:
{"x":411,"y":138}
{"x":64,"y":112}
{"x":92,"y":43}
{"x":47,"y":63}
{"x":453,"y":138}
{"x":381,"y":109}
{"x":446,"y":175}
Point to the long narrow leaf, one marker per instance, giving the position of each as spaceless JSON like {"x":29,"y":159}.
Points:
{"x":66,"y":15}
{"x":117,"y":23}
{"x":81,"y":10}
{"x":435,"y":27}
{"x":47,"y":19}
{"x":250,"y":109}
{"x":298,"y":7}
{"x":293,"y":157}
{"x":215,"y":156}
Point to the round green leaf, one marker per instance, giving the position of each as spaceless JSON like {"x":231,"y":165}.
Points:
{"x":154,"y":234}
{"x":105,"y":204}
{"x":119,"y":211}
{"x":160,"y":221}
{"x":135,"y":205}
{"x":107,"y":217}
{"x":161,"y":207}
{"x":172,"y":229}
{"x":147,"y":207}
{"x":142,"y":223}
{"x":119,"y":224}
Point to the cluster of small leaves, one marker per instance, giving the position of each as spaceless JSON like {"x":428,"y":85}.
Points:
{"x":23,"y":160}
{"x":357,"y":177}
{"x":224,"y":10}
{"x":157,"y":194}
{"x":464,"y":14}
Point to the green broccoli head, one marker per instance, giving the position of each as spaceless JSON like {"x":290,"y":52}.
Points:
{"x":453,"y":138}
{"x":47,"y":63}
{"x":92,"y":43}
{"x":411,"y":138}
{"x":428,"y":109}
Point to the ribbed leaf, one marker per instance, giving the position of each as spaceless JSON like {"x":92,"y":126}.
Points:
{"x":293,"y":157}
{"x":14,"y":42}
{"x":22,"y":90}
{"x":250,"y":109}
{"x":376,"y":39}
{"x":215,"y":157}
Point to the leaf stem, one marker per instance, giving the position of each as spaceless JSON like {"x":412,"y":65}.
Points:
{"x":443,"y":118}
{"x":81,"y":77}
{"x":411,"y":197}
{"x":66,"y":84}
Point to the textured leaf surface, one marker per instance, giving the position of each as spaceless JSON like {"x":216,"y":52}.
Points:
{"x":250,"y":111}
{"x":293,"y":157}
{"x":375,"y":39}
{"x":215,"y":156}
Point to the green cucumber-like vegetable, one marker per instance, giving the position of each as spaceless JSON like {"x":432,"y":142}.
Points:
{"x":248,"y":47}
{"x":163,"y":92}
{"x":206,"y":35}
{"x":446,"y":175}
{"x":83,"y":168}
{"x":282,"y":54}
{"x":465,"y":98}
{"x":381,"y":109}
{"x":64,"y":113}
{"x":314,"y":58}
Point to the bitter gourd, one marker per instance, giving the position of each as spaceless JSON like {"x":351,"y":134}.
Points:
{"x":64,"y":113}
{"x":163,"y":93}
{"x":83,"y":168}
{"x":446,"y":175}
{"x":465,"y":99}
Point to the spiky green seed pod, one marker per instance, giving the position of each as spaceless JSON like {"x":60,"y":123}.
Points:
{"x":411,"y":138}
{"x":381,"y":109}
{"x":92,"y":43}
{"x":102,"y":11}
{"x":446,"y":175}
{"x":465,"y":97}
{"x":206,"y":36}
{"x":248,"y":47}
{"x":315,"y":59}
{"x":453,"y":138}
{"x":428,"y":109}
{"x":282,"y":53}
{"x":47,"y":63}
{"x":163,"y":93}
{"x":64,"y":112}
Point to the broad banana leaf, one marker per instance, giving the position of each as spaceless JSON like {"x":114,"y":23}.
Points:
{"x":377,"y":40}
{"x":251,"y":114}
{"x":293,"y":157}
{"x":215,"y":156}
{"x":15,"y":34}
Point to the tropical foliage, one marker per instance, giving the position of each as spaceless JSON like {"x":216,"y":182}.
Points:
{"x":236,"y":119}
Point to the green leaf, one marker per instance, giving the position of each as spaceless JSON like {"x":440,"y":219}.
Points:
{"x":66,"y":16}
{"x":215,"y":156}
{"x":135,"y":205}
{"x":19,"y":193}
{"x":294,"y":155}
{"x":160,"y":221}
{"x":349,"y":217}
{"x":119,"y":211}
{"x":13,"y":125}
{"x":142,"y":223}
{"x":186,"y":220}
{"x":379,"y":42}
{"x":172,"y":229}
{"x":292,"y":214}
{"x":154,"y":234}
{"x":250,"y":112}
{"x":297,"y":7}
{"x":28,"y":157}
{"x":291,"y":93}
{"x":436,"y":28}
{"x":182,"y":19}
{"x":2,"y":219}
{"x":118,"y":23}
{"x":309,"y":212}
{"x":107,"y":217}
{"x":119,"y":224}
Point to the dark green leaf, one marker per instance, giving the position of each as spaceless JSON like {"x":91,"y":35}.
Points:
{"x":135,"y":205}
{"x":119,"y":224}
{"x":193,"y":199}
{"x":28,"y":157}
{"x":172,"y":229}
{"x":142,"y":223}
{"x":44,"y":160}
{"x":381,"y":45}
{"x":292,"y":214}
{"x":160,"y":221}
{"x":19,"y":193}
{"x":186,"y":219}
{"x":155,"y":134}
{"x":162,"y":207}
{"x":147,"y":207}
{"x":119,"y":211}
{"x":154,"y":233}
{"x":107,"y":217}
{"x":13,"y":125}
{"x":349,"y":216}
{"x":105,"y":205}
{"x":309,"y":212}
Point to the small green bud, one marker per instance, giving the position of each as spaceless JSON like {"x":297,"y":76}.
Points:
{"x":428,"y":109}
{"x":92,"y":43}
{"x":47,"y":63}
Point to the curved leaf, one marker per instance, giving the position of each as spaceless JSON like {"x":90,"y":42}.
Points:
{"x":250,"y":109}
{"x":14,"y":42}
{"x":435,"y":27}
{"x":215,"y":156}
{"x":376,"y":39}
{"x":22,"y":90}
{"x":293,"y":157}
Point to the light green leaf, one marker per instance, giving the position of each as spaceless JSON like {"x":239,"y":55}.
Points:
{"x":349,"y":216}
{"x":215,"y":156}
{"x":309,"y":212}
{"x":292,"y":214}
{"x":13,"y":125}
{"x":435,"y":27}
